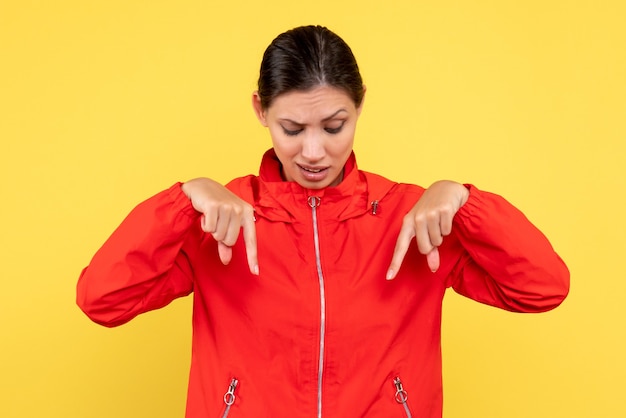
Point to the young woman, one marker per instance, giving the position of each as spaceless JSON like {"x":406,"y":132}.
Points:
{"x":317,"y":287}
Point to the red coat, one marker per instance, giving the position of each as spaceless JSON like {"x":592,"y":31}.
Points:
{"x":320,"y":332}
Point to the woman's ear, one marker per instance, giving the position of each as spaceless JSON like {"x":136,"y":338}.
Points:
{"x":258,"y":108}
{"x":360,"y":108}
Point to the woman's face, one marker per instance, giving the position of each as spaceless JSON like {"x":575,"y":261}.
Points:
{"x":312,"y":132}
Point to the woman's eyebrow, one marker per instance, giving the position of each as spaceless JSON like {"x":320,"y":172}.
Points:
{"x":334,"y":114}
{"x":326,"y":119}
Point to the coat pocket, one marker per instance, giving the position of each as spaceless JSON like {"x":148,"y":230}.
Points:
{"x":229,"y":397}
{"x":401,"y":396}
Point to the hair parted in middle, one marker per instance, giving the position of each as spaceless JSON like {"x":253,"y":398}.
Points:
{"x":307,"y":57}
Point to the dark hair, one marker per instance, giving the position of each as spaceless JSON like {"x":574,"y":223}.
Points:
{"x":307,"y":57}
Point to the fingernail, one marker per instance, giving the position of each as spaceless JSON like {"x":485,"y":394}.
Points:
{"x":255,"y":270}
{"x":390,"y":274}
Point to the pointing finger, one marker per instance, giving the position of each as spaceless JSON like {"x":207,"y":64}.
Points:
{"x":249,"y":238}
{"x":402,"y":246}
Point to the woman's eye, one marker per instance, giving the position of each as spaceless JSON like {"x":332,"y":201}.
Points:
{"x":334,"y":130}
{"x":291,"y":132}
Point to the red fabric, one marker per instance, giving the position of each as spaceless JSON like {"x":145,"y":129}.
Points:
{"x":265,"y":330}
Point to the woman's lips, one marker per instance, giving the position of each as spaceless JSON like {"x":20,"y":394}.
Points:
{"x":313,"y":173}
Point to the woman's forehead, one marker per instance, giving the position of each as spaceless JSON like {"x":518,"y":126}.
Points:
{"x":323,"y":102}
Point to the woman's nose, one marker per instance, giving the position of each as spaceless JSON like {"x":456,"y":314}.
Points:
{"x":313,"y":146}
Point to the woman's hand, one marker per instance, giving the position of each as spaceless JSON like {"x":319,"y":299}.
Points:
{"x":429,"y":221}
{"x":223,"y":215}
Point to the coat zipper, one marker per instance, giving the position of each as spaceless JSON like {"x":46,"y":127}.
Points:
{"x":314,"y":202}
{"x":401,"y":396}
{"x":229,"y":396}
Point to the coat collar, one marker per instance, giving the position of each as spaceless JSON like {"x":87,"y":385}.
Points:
{"x":287,"y":201}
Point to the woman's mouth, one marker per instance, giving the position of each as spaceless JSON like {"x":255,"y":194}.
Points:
{"x":312,"y":170}
{"x":313,"y":173}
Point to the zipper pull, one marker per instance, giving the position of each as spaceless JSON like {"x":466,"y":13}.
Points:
{"x":401,"y":395}
{"x":374,"y":207}
{"x":314,"y":201}
{"x":229,"y":396}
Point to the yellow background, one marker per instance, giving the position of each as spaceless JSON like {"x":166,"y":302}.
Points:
{"x":103,"y":103}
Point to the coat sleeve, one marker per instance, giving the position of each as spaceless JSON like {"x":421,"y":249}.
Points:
{"x":507,"y":262}
{"x":143,"y":265}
